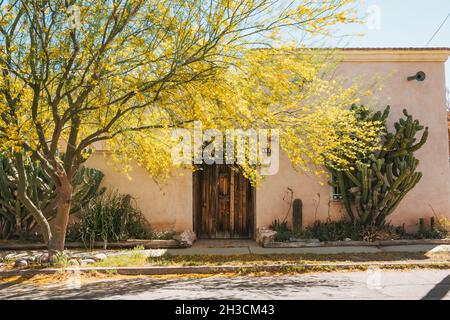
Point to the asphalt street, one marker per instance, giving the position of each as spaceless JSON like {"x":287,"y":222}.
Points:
{"x":372,"y":284}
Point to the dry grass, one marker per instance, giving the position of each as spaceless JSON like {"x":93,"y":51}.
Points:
{"x":291,"y":264}
{"x":133,"y":259}
{"x":95,"y":276}
{"x":136,"y":259}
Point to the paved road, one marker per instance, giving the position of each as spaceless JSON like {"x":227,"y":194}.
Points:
{"x":417,"y":284}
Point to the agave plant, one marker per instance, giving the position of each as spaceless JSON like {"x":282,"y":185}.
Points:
{"x":110,"y":217}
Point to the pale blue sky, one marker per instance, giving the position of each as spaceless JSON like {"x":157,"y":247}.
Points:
{"x":402,"y":23}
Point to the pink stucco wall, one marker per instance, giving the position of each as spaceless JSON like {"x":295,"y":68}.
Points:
{"x":166,"y":206}
{"x":425,"y":100}
{"x":170,"y":206}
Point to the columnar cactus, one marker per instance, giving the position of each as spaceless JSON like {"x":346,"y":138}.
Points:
{"x":376,"y":185}
{"x":297,"y":215}
{"x":15,"y":219}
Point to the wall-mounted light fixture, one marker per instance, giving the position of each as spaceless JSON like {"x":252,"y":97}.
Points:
{"x":419,"y":76}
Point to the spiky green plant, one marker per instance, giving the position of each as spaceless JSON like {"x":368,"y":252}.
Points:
{"x":109,"y":218}
{"x":15,"y":220}
{"x":375,"y":185}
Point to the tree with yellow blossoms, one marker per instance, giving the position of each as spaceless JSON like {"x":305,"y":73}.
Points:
{"x":78,"y":73}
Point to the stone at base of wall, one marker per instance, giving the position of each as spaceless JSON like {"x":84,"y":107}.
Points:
{"x":130,"y":244}
{"x":187,"y":238}
{"x":265,"y":236}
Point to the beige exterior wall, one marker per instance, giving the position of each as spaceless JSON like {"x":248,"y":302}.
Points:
{"x":170,"y":206}
{"x":424,"y":100}
{"x":166,"y":207}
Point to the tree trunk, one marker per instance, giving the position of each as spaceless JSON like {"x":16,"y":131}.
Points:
{"x":59,"y":223}
{"x":23,"y":196}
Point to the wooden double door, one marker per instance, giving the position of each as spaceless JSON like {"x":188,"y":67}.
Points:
{"x":223,"y":203}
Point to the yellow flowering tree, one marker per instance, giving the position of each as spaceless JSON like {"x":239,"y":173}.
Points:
{"x":76,"y":73}
{"x":285,"y":89}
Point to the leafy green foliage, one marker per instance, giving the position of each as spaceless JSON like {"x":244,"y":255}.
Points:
{"x":60,"y":260}
{"x":436,"y":229}
{"x":15,"y":219}
{"x":284,"y":233}
{"x":108,"y":218}
{"x":346,"y":229}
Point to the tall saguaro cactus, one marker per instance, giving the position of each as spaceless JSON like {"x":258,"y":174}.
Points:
{"x":377,"y":184}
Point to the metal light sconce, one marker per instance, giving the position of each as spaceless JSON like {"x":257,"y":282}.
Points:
{"x":419,"y":76}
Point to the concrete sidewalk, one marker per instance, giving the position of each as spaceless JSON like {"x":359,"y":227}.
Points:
{"x":217,"y":248}
{"x":238,"y":268}
{"x":250,"y":247}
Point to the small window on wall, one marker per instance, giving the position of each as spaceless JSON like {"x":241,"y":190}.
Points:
{"x":336,"y":194}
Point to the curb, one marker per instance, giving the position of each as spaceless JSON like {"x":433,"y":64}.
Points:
{"x":173,"y":244}
{"x":384,"y":243}
{"x":187,"y":270}
{"x":147,"y":244}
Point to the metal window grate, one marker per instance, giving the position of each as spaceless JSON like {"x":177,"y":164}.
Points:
{"x":336,"y":193}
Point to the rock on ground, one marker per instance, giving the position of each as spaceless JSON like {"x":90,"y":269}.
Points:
{"x":187,"y":238}
{"x":265,"y":235}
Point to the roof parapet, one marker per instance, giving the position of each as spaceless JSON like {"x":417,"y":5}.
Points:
{"x":394,"y":54}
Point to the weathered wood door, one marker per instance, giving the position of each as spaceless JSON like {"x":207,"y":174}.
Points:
{"x":223,"y":203}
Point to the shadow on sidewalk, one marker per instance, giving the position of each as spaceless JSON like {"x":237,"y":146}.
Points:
{"x":439,"y":291}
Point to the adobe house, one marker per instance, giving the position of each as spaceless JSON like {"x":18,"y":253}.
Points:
{"x":191,"y":202}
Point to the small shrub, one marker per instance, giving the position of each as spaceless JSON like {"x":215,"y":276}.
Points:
{"x":329,"y":231}
{"x":110,"y":217}
{"x":341,"y":230}
{"x":443,"y":224}
{"x":438,"y":228}
{"x":282,"y":229}
{"x":345,"y":229}
{"x":60,"y":260}
{"x":373,"y":233}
